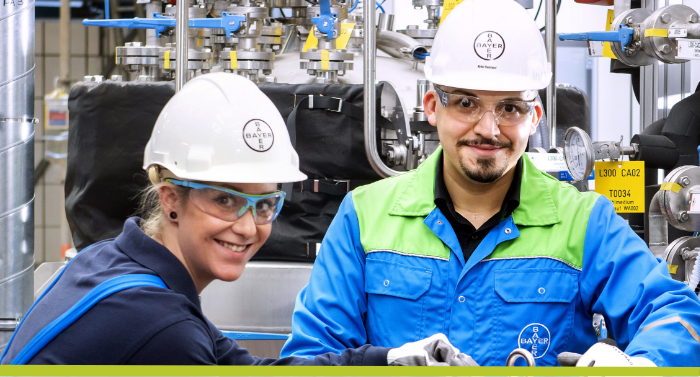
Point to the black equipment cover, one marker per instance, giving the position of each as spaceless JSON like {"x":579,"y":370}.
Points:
{"x":111,"y":123}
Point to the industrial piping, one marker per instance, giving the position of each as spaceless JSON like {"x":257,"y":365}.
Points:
{"x":370,"y":94}
{"x":16,"y":164}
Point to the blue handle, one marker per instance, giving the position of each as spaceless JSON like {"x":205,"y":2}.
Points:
{"x":228,"y":22}
{"x":326,"y":20}
{"x":625,"y":36}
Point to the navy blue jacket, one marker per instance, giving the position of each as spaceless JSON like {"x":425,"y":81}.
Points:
{"x":144,"y":325}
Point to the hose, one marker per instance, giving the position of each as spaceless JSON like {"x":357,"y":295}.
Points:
{"x":379,"y":6}
{"x":695,"y":275}
{"x":354,"y":6}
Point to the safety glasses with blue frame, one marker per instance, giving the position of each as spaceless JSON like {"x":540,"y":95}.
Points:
{"x":230,"y":205}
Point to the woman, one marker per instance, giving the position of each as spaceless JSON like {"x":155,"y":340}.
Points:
{"x":134,"y":299}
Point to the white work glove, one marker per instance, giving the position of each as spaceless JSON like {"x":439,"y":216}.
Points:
{"x":433,"y":351}
{"x":605,"y":355}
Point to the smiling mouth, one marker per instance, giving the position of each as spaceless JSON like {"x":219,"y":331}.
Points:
{"x":232,"y":247}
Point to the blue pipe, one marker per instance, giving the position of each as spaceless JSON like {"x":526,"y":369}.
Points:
{"x":106,"y":9}
{"x":354,"y":6}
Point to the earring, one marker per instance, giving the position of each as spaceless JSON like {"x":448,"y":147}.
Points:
{"x":173,"y":215}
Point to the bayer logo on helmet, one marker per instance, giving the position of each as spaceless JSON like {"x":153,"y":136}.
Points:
{"x":258,"y":135}
{"x":489,"y":45}
{"x":535,"y":338}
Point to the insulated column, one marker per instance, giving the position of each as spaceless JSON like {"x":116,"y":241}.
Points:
{"x":16,"y":163}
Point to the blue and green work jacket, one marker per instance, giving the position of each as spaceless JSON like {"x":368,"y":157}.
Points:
{"x":391,"y":270}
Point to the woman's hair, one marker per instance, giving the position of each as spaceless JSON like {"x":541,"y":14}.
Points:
{"x":150,"y":209}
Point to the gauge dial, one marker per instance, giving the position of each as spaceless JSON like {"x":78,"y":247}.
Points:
{"x":578,"y":153}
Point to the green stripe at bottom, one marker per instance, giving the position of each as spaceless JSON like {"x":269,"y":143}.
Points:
{"x":90,"y":370}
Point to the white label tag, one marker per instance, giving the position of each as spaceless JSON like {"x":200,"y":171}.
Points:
{"x":677,"y":32}
{"x":688,"y":48}
{"x":548,"y":162}
{"x":694,"y":205}
{"x":595,"y":48}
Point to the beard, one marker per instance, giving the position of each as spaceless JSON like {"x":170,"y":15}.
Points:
{"x":487,"y":169}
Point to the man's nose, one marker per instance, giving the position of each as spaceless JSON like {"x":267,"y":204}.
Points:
{"x":487,"y":126}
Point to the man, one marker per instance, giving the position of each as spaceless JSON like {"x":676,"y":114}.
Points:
{"x":480,"y":245}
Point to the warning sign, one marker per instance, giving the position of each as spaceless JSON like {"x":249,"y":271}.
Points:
{"x":623,"y":183}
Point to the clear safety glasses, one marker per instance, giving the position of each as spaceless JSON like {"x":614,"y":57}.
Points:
{"x":472,"y":109}
{"x":230,"y":205}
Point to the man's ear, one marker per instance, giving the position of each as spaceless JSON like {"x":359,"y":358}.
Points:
{"x":536,"y":117}
{"x":169,"y":200}
{"x":430,"y":107}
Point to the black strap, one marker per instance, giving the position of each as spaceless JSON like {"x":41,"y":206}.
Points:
{"x":333,"y":104}
{"x":337,"y":187}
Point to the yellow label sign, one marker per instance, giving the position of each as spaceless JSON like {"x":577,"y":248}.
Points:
{"x":233,"y":55}
{"x":607,"y":51}
{"x":166,"y":59}
{"x":447,"y":8}
{"x":623,"y":183}
{"x":672,"y":269}
{"x":340,"y":44}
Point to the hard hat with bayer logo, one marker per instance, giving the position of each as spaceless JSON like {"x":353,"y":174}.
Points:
{"x":221,"y":128}
{"x":489,"y":45}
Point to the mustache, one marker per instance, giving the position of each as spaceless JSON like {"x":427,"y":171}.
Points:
{"x":484,"y":141}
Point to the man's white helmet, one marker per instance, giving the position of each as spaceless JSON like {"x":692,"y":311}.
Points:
{"x":489,"y":45}
{"x":221,"y":128}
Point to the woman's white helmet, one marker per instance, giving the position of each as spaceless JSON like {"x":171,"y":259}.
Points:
{"x":489,"y":45}
{"x":221,"y":128}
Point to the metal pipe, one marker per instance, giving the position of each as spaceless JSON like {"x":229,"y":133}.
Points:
{"x":16,"y":164}
{"x":64,"y":50}
{"x":550,"y":42}
{"x":181,"y":43}
{"x":621,"y":6}
{"x":370,"y":94}
{"x":400,"y":46}
{"x":658,"y":227}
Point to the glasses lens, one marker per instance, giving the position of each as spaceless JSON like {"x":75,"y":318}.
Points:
{"x":513,"y":112}
{"x":223,"y":205}
{"x":229,"y":206}
{"x":464,"y":105}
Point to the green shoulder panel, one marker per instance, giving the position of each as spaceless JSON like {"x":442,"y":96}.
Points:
{"x":385,"y":221}
{"x":552,"y":219}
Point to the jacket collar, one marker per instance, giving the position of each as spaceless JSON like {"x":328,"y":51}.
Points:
{"x":156,"y":257}
{"x":536,"y":207}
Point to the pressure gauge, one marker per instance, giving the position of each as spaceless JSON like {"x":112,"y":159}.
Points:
{"x":578,"y":153}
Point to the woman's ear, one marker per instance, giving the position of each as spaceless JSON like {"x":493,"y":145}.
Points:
{"x":169,"y":200}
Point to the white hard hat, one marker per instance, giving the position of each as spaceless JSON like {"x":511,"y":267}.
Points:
{"x":489,"y":45}
{"x":221,"y":128}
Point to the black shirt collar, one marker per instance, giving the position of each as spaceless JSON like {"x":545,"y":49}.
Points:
{"x":510,"y":202}
{"x":156,"y":257}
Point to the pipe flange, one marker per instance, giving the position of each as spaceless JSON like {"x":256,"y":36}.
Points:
{"x":679,"y":267}
{"x":423,"y":3}
{"x":247,"y":65}
{"x":333,"y":55}
{"x":289,"y":4}
{"x":663,"y":48}
{"x":681,"y":189}
{"x":196,"y":60}
{"x":137,"y":60}
{"x":635,"y":54}
{"x":248,"y":55}
{"x":250,"y":12}
{"x":332,"y":66}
